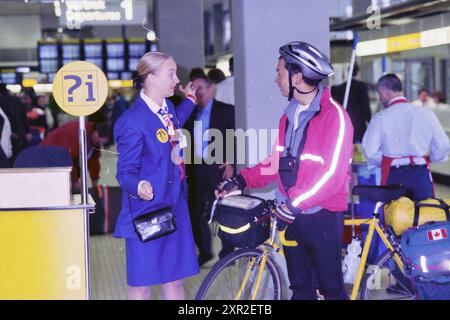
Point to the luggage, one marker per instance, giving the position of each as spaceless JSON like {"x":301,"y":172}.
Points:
{"x":236,"y":216}
{"x":426,"y":257}
{"x":108,"y":202}
{"x":403,"y":213}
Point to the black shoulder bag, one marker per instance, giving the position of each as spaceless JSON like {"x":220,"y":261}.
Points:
{"x":154,"y":224}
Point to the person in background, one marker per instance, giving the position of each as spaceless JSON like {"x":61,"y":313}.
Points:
{"x":115,"y":106}
{"x":120,"y":105}
{"x":67,"y":136}
{"x":151,"y":172}
{"x":424,"y":99}
{"x":195,"y":73}
{"x":5,"y":140}
{"x":440,"y":101}
{"x":225,"y":89}
{"x":37,"y":118}
{"x":204,"y":174}
{"x":403,"y":140}
{"x":16,"y":112}
{"x":216,"y":75}
{"x":358,"y":105}
{"x":54,"y":110}
{"x":312,"y":190}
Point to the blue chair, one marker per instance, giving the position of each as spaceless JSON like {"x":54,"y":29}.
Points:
{"x":43,"y":157}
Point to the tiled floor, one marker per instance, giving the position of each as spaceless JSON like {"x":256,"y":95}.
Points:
{"x":108,"y":273}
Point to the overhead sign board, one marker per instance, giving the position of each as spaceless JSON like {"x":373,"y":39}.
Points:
{"x":76,"y":13}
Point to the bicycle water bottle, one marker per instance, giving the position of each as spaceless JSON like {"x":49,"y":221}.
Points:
{"x":351,"y":261}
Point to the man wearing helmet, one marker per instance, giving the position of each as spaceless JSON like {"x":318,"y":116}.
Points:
{"x":310,"y":161}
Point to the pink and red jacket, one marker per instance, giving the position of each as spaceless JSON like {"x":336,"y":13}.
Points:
{"x":324,"y":172}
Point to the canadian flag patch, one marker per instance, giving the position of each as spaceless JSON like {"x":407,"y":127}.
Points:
{"x":437,"y":234}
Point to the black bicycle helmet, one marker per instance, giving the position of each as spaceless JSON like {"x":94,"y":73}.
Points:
{"x":313,"y":64}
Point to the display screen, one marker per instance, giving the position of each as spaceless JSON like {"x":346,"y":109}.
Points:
{"x":115,"y":50}
{"x":97,"y":61}
{"x":126,"y":76}
{"x":115,"y":64}
{"x":132,"y":64}
{"x":66,"y":61}
{"x":93,"y":50}
{"x":48,"y":51}
{"x":71,"y":51}
{"x":8,"y":78}
{"x":136,"y":49}
{"x":113,"y":75}
{"x":49,"y":66}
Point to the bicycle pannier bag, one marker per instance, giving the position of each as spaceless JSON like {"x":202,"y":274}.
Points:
{"x":403,"y":213}
{"x":236,"y":217}
{"x":426,"y":258}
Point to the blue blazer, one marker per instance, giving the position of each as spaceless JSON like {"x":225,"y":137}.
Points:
{"x":142,"y":156}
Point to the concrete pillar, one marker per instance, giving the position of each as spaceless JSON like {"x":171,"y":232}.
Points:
{"x":259,"y":28}
{"x":179,"y":27}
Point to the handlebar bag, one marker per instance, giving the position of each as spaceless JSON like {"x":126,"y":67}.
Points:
{"x":236,"y":217}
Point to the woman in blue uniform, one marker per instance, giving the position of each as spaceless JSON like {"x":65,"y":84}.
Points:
{"x":152,"y":179}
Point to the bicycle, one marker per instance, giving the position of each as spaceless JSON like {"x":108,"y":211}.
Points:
{"x":251,"y":274}
{"x":387,"y":271}
{"x":248,"y":274}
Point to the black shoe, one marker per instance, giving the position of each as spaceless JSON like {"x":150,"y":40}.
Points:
{"x":204,"y":258}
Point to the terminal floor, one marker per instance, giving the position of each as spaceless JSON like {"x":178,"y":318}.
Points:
{"x":108,"y":273}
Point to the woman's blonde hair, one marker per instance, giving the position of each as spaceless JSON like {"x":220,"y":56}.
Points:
{"x":149,"y":64}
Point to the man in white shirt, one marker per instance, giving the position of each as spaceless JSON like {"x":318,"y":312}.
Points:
{"x":225,"y":89}
{"x":424,"y":100}
{"x":403,"y":139}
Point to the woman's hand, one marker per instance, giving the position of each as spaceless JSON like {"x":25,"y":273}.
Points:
{"x":188,"y":90}
{"x":145,"y":190}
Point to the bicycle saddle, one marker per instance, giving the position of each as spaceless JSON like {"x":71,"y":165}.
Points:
{"x":381,"y":193}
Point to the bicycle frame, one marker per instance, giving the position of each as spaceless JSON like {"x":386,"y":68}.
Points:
{"x":374,"y":226}
{"x":263,"y":260}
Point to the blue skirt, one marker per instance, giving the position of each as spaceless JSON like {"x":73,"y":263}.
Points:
{"x":166,"y":259}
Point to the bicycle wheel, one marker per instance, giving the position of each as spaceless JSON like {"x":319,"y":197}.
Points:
{"x":385,"y":281}
{"x":235,"y":276}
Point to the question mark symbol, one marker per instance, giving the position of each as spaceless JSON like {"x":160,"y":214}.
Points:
{"x":76,"y":85}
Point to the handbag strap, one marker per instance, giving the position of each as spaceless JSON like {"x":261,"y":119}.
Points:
{"x":416,"y":215}
{"x":442,"y":205}
{"x":446,"y":208}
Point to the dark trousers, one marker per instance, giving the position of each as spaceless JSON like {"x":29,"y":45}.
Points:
{"x":316,"y":261}
{"x":418,"y":180}
{"x":415,"y":178}
{"x":203,"y":181}
{"x":4,"y":162}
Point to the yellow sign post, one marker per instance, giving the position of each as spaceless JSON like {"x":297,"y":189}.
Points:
{"x":80,"y":88}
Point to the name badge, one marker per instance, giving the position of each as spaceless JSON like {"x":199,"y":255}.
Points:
{"x":171,"y":131}
{"x":182,"y":139}
{"x":162,"y":136}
